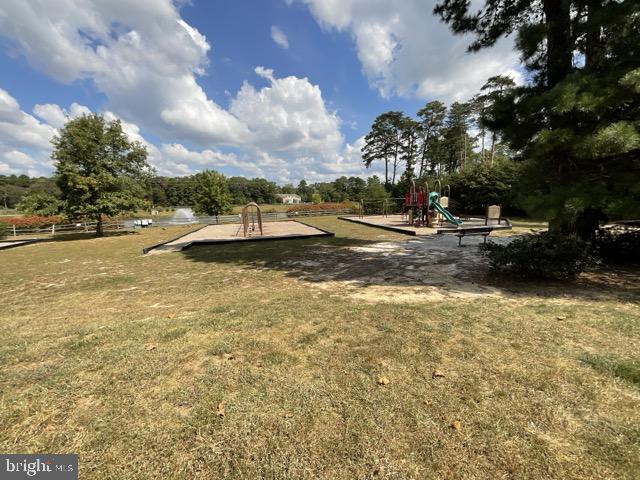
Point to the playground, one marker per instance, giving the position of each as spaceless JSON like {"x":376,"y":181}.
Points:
{"x":250,"y":227}
{"x":258,"y":358}
{"x":422,"y":212}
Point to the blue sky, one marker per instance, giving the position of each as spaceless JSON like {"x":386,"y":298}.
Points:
{"x":284,"y":89}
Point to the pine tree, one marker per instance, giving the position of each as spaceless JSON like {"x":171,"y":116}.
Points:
{"x":431,"y":118}
{"x":576,"y":125}
{"x":383,"y":142}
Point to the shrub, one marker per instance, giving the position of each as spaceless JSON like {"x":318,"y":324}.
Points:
{"x":545,"y":255}
{"x":31,"y":221}
{"x":619,"y":247}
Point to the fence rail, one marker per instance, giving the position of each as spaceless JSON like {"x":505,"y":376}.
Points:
{"x":81,"y":227}
{"x":66,"y":228}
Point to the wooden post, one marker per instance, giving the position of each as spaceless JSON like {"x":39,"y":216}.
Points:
{"x":14,"y":231}
{"x":53,"y":229}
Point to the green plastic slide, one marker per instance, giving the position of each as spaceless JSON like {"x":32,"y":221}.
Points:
{"x":433,"y":199}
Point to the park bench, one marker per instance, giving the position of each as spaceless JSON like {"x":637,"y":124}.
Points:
{"x":463,"y":232}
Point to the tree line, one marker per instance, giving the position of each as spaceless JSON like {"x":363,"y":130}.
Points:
{"x":439,"y":140}
{"x":41,"y":195}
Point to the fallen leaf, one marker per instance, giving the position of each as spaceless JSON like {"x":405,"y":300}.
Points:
{"x":220,"y":410}
{"x":150,"y":346}
{"x":561,"y":317}
{"x":437,"y":373}
{"x":456,"y":425}
{"x":383,"y":381}
{"x":171,"y":315}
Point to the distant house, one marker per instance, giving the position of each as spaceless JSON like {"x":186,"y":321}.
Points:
{"x":288,"y":198}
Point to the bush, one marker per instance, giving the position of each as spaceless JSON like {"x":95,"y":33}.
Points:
{"x":614,"y":246}
{"x":545,"y":256}
{"x":31,"y":221}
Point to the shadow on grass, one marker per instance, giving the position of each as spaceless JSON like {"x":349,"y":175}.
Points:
{"x":416,"y":263}
{"x":85,"y":236}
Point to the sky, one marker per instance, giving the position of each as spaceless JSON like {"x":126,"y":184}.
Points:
{"x":281,"y":89}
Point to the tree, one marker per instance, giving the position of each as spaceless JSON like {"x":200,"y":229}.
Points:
{"x":456,"y":146}
{"x":305,"y":191}
{"x":260,"y":190}
{"x":40,"y":203}
{"x":431,"y":118}
{"x":316,"y":198}
{"x":409,"y":138}
{"x":383,"y":142}
{"x":575,"y":125}
{"x":99,"y":170}
{"x":288,"y":189}
{"x":374,"y":194}
{"x":211,"y":193}
{"x":497,"y":89}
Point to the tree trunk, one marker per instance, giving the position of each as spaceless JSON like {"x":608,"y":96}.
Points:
{"x":559,"y":51}
{"x":99,"y":226}
{"x":493,"y":147}
{"x":423,"y":155}
{"x":395,"y":163}
{"x":482,"y":146}
{"x":593,"y":44}
{"x":386,"y":171}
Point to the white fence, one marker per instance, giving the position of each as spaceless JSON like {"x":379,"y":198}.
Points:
{"x":109,"y":226}
{"x":61,"y":229}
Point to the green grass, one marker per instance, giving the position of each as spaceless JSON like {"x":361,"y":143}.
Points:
{"x":628,"y":370}
{"x":124,"y":358}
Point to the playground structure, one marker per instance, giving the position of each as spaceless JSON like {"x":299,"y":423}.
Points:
{"x":250,"y":213}
{"x":422,"y":208}
{"x":426,"y":212}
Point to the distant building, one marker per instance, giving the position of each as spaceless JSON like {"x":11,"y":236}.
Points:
{"x":288,"y":198}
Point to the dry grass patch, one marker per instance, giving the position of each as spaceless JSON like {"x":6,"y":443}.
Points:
{"x":298,"y":368}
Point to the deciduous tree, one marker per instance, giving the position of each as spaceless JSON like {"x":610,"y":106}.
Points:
{"x":99,"y":170}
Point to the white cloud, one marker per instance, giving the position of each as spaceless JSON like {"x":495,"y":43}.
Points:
{"x":146,"y":60}
{"x":140,"y":54}
{"x":404,"y":49}
{"x":24,"y":141}
{"x":279,"y":37}
{"x":56,"y":116}
{"x":289,"y":114}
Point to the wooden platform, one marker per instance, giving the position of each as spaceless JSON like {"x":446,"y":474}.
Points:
{"x":396,"y":223}
{"x":232,"y":233}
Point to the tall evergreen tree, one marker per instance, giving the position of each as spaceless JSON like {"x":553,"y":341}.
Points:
{"x":431,"y":118}
{"x":457,"y":144}
{"x":409,"y":138}
{"x":383,"y":142}
{"x":495,"y":90}
{"x":576,"y":125}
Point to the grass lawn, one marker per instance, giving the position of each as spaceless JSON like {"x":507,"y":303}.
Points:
{"x":125,"y":359}
{"x":265,"y":208}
